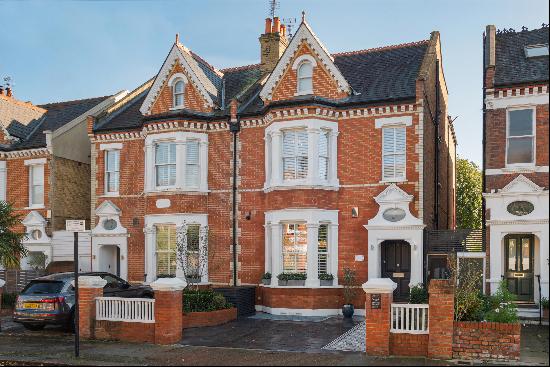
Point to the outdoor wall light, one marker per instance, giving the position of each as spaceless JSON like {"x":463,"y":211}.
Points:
{"x":248,"y":215}
{"x":372,"y":247}
{"x":354,"y":212}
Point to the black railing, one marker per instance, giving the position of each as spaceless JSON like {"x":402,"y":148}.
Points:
{"x":454,"y":240}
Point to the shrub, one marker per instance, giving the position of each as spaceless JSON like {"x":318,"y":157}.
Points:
{"x":544,"y":303}
{"x":325,"y":276}
{"x":418,"y":294}
{"x":266,"y":275}
{"x":8,"y":300}
{"x":204,"y":300}
{"x":292,"y":276}
{"x":350,"y":283}
{"x":502,"y":305}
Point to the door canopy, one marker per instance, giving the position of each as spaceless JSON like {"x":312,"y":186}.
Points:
{"x":394,"y":209}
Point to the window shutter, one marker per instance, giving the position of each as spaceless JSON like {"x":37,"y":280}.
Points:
{"x":323,"y":156}
{"x":394,"y":153}
{"x":37,"y":184}
{"x":302,"y":154}
{"x":192,"y":166}
{"x":400,"y":148}
{"x":322,"y":249}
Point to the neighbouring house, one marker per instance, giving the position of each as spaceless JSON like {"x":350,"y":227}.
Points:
{"x":515,"y":165}
{"x":342,"y":161}
{"x":45,"y":173}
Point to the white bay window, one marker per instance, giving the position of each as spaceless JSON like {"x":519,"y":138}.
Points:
{"x":301,"y":154}
{"x":302,"y":241}
{"x":176,"y":161}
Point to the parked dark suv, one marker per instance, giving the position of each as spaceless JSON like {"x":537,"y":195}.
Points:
{"x":49,"y":300}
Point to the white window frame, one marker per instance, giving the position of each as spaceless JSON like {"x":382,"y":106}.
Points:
{"x":180,"y":221}
{"x":177,"y":77}
{"x":274,"y":155}
{"x":3,"y":181}
{"x":534,"y":136}
{"x":31,"y":164}
{"x":313,"y":218}
{"x":180,"y":138}
{"x":298,"y":62}
{"x":393,"y":122}
{"x":107,"y":173}
{"x":394,"y":154}
{"x":157,"y":165}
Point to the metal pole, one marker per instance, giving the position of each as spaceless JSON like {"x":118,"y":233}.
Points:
{"x":76,"y":303}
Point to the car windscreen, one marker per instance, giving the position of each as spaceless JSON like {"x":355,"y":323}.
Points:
{"x":43,"y":287}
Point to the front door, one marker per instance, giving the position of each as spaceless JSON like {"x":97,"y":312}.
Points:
{"x":396,"y":265}
{"x":109,"y":256}
{"x":519,"y":250}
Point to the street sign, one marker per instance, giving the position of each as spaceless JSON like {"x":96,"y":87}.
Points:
{"x":75,"y":225}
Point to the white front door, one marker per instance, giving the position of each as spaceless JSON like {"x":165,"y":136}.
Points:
{"x":109,"y":259}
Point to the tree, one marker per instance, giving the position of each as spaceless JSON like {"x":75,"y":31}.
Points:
{"x":11,"y":248}
{"x":468,"y":194}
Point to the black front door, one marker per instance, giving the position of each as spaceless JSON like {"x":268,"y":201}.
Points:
{"x":519,"y":265}
{"x":396,"y":265}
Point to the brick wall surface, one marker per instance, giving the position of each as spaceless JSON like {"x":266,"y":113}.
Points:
{"x":133,"y":332}
{"x":441,"y":316}
{"x":486,"y":341}
{"x":378,"y":325}
{"x":86,"y":311}
{"x":168,"y":317}
{"x":410,"y":345}
{"x":306,"y":298}
{"x":213,"y":318}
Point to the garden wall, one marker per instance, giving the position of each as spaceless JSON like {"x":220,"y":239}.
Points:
{"x":212,"y":318}
{"x":410,"y":345}
{"x":127,"y":331}
{"x":486,"y":340}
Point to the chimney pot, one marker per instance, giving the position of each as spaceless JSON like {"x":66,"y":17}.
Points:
{"x":267,"y":25}
{"x":283,"y":30}
{"x":8,"y":92}
{"x":276,"y":25}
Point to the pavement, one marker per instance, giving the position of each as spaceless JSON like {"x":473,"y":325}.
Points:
{"x":248,"y":341}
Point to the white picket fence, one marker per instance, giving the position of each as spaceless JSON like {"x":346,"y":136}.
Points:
{"x":125,"y":309}
{"x":409,"y":318}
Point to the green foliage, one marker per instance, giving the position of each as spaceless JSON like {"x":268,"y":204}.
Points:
{"x":502,"y":307}
{"x":266,"y":275}
{"x":11,"y":249}
{"x":544,"y":303}
{"x":37,"y":260}
{"x":325,"y":276}
{"x":418,"y":294}
{"x":349,"y":282}
{"x":8,"y":300}
{"x":203,"y":300}
{"x":292,"y":276}
{"x":468,"y":194}
{"x":166,"y":276}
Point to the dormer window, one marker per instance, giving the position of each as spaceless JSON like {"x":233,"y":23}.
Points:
{"x":179,"y":87}
{"x":536,"y":50}
{"x":305,"y":78}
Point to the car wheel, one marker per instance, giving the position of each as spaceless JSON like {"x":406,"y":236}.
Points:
{"x":71,"y":326}
{"x":34,"y":327}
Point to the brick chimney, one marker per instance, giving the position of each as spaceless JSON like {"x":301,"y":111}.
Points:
{"x":9,"y":92}
{"x":490,"y":55}
{"x":273,"y":43}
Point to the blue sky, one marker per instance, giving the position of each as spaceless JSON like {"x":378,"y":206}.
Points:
{"x":69,"y":50}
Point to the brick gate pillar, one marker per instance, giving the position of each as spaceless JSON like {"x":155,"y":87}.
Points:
{"x":168,"y":310}
{"x":379,"y":296}
{"x":1,"y":288}
{"x":89,"y":288}
{"x":441,"y":318}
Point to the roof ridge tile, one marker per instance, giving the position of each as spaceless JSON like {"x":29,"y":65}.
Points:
{"x":381,"y":48}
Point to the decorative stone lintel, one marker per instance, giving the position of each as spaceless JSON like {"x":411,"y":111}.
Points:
{"x":90,"y":282}
{"x":379,"y":285}
{"x":168,"y":284}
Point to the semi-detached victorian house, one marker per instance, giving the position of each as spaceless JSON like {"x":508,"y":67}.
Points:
{"x":45,"y":174}
{"x":516,"y":162}
{"x":335,"y":168}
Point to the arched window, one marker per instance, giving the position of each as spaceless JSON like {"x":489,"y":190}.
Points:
{"x":178,"y":91}
{"x":305,"y":78}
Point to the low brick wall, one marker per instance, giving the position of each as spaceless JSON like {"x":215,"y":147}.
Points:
{"x":212,"y":318}
{"x":486,"y":341}
{"x":305,"y":298}
{"x":411,"y":345}
{"x":132,"y":332}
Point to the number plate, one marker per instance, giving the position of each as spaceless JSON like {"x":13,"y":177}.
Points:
{"x":399,"y":275}
{"x":31,"y":305}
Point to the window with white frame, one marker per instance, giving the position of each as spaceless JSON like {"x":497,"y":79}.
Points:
{"x":3,"y":181}
{"x":112,"y":171}
{"x":322,"y":249}
{"x":178,"y":93}
{"x":193,"y":250}
{"x":176,"y":161}
{"x":36,"y":185}
{"x":295,"y":154}
{"x":166,"y":256}
{"x":394,"y":153}
{"x":301,"y":154}
{"x":305,"y":77}
{"x":520,"y":140}
{"x":294,"y":247}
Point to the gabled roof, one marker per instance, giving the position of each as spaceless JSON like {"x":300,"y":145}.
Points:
{"x":304,"y":33}
{"x":203,"y":76}
{"x":512,"y":65}
{"x":17,"y":117}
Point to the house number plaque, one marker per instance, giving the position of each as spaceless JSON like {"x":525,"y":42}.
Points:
{"x":375,"y":301}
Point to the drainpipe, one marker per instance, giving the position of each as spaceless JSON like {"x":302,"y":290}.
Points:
{"x":234,"y":127}
{"x":483,"y":141}
{"x":436,"y":141}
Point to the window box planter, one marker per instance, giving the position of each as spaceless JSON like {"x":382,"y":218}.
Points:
{"x":326,"y":283}
{"x":282,"y":283}
{"x":266,"y":279}
{"x":296,"y":283}
{"x":292,"y":279}
{"x":326,"y":280}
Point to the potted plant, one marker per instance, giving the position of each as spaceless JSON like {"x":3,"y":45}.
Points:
{"x":292,"y":279}
{"x":544,"y":304}
{"x":326,"y":280}
{"x":266,"y":279}
{"x":349,"y":292}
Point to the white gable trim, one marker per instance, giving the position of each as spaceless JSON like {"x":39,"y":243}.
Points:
{"x":177,"y":76}
{"x":301,"y":58}
{"x":304,"y":33}
{"x":198,"y":79}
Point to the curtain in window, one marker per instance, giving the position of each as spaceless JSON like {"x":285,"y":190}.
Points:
{"x":166,"y":249}
{"x":322,"y":248}
{"x":179,"y":88}
{"x":295,"y":154}
{"x":323,"y":155}
{"x":37,"y":184}
{"x":165,"y":164}
{"x":192,"y":164}
{"x":294,"y":248}
{"x":521,"y":136}
{"x":112,"y":165}
{"x":305,"y":77}
{"x":393,"y":153}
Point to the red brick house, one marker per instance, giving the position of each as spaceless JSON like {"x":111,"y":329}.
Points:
{"x":516,"y":160}
{"x":45,"y":170}
{"x":336,"y":168}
